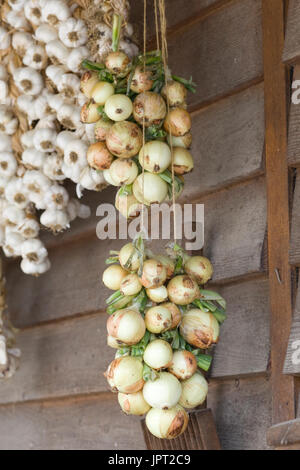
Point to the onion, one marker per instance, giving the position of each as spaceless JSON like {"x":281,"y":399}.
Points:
{"x":155,"y":156}
{"x":149,"y":108}
{"x":131,"y":285}
{"x":182,"y":160}
{"x":175,"y":93}
{"x":183,"y":290}
{"x":114,"y":342}
{"x":167,"y":424}
{"x":127,"y":205}
{"x":124,"y":139}
{"x":154,"y":274}
{"x":194,"y":391}
{"x":168,"y":264}
{"x":101,"y":92}
{"x":164,"y":392}
{"x":155,"y":189}
{"x":184,"y":141}
{"x":102,"y":128}
{"x":157,"y":294}
{"x":118,"y":63}
{"x":175,"y":313}
{"x":118,"y":107}
{"x":89,"y":113}
{"x":125,"y":374}
{"x":158,"y":354}
{"x":99,"y":157}
{"x":201,"y":329}
{"x":113,"y":276}
{"x":178,"y":122}
{"x":127,"y":326}
{"x":200,"y":268}
{"x":128,"y":256}
{"x":123,"y":171}
{"x":141,"y":80}
{"x":184,"y":365}
{"x":133,"y":403}
{"x":88,"y":81}
{"x":158,"y":319}
{"x":108,"y":178}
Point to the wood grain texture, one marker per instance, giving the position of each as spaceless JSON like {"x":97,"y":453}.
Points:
{"x":283,"y":407}
{"x":242,"y":412}
{"x":291,"y":52}
{"x":95,"y":423}
{"x":284,"y":434}
{"x":292,"y":358}
{"x":294,"y":255}
{"x":228,"y":142}
{"x":294,"y":123}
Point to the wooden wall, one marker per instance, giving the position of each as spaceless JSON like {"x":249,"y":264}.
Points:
{"x":59,"y":398}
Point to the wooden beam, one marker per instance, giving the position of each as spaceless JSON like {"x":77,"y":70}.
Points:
{"x":283,"y":406}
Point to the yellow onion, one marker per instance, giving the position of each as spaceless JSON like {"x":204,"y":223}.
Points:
{"x":158,"y":319}
{"x":178,"y":122}
{"x":182,"y":160}
{"x":133,"y":403}
{"x":194,"y":391}
{"x":131,"y":285}
{"x":168,"y":264}
{"x":200,"y":268}
{"x":113,"y":276}
{"x":155,"y":156}
{"x":102,"y":128}
{"x":184,"y":365}
{"x":167,"y":424}
{"x":125,"y":374}
{"x":183,"y":290}
{"x":89,"y":113}
{"x":175,"y":93}
{"x":127,"y":326}
{"x":201,"y":329}
{"x":155,"y":189}
{"x":175,"y":313}
{"x":118,"y":63}
{"x":114,"y":342}
{"x":141,"y":80}
{"x":149,"y":108}
{"x":108,"y":178}
{"x":164,"y":392}
{"x":118,"y":107}
{"x":123,"y":171}
{"x":99,"y":157}
{"x":158,"y":354}
{"x":128,"y":257}
{"x":124,"y":140}
{"x":101,"y":92}
{"x":184,"y":141}
{"x":87,"y":83}
{"x":127,"y":205}
{"x":154,"y":274}
{"x":157,"y":294}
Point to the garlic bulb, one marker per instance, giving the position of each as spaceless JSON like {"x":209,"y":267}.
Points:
{"x":4,"y":38}
{"x":69,"y":85}
{"x":55,"y":11}
{"x":33,"y":158}
{"x":35,"y":269}
{"x":33,"y":11}
{"x":29,"y":228}
{"x":8,"y":165}
{"x":69,"y":116}
{"x":52,"y":167}
{"x":45,"y":33}
{"x":57,"y":51}
{"x":16,"y":20}
{"x":55,"y":73}
{"x":35,"y":57}
{"x":44,"y":140}
{"x":36,"y":184}
{"x":75,"y":153}
{"x":34,"y":250}
{"x":16,"y":5}
{"x":28,"y":80}
{"x":56,"y":197}
{"x":76,"y":57}
{"x":21,"y":42}
{"x":5,"y":142}
{"x":73,"y":33}
{"x":8,"y":121}
{"x":55,"y":220}
{"x":12,"y":215}
{"x":15,"y":193}
{"x":27,"y":137}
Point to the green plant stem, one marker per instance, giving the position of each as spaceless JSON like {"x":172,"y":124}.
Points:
{"x":116,"y":32}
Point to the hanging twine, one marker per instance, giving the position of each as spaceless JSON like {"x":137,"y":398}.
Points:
{"x":144,"y":127}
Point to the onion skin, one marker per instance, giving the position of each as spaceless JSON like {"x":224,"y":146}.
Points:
{"x":113,"y":276}
{"x":123,"y":171}
{"x":200,"y":268}
{"x":114,"y":342}
{"x":99,"y":157}
{"x":174,"y":93}
{"x":118,"y":107}
{"x":155,"y":189}
{"x":127,"y":252}
{"x":184,"y":141}
{"x":101,"y":92}
{"x":168,"y":264}
{"x":178,"y":122}
{"x":175,"y":313}
{"x":102,"y":129}
{"x":167,"y":424}
{"x":164,"y":392}
{"x":154,"y":274}
{"x":158,"y":354}
{"x":131,"y":285}
{"x":141,"y":81}
{"x":133,"y":403}
{"x":89,"y":113}
{"x":194,"y":391}
{"x":182,"y":160}
{"x":158,"y":319}
{"x":200,"y":329}
{"x":87,"y":83}
{"x":183,"y":290}
{"x":157,"y":294}
{"x":118,"y":63}
{"x":155,"y":156}
{"x":124,"y":139}
{"x":127,"y":326}
{"x":149,"y":108}
{"x":184,"y":365}
{"x":125,"y":374}
{"x":128,"y":206}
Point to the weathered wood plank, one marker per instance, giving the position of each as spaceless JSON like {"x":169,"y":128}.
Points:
{"x":284,"y":434}
{"x":292,"y":358}
{"x":95,"y":423}
{"x":242,"y":412}
{"x":291,"y":52}
{"x":294,"y":123}
{"x":294,"y":255}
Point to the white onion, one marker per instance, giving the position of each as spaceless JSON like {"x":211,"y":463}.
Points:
{"x":182,"y":160}
{"x":175,"y":93}
{"x":184,"y":141}
{"x":131,"y":285}
{"x":200,"y":268}
{"x":133,"y":403}
{"x":125,"y":374}
{"x":113,"y":276}
{"x":99,"y":157}
{"x":155,"y":156}
{"x":127,"y":326}
{"x":124,"y":139}
{"x":154,"y":274}
{"x":157,"y":294}
{"x":118,"y":63}
{"x":184,"y":365}
{"x":158,"y":319}
{"x":141,"y":80}
{"x":158,"y":354}
{"x":127,"y":205}
{"x":178,"y":122}
{"x":88,"y":81}
{"x":128,"y":257}
{"x":101,"y":92}
{"x":154,"y":189}
{"x":175,"y":313}
{"x":123,"y":171}
{"x":164,"y":392}
{"x":118,"y":107}
{"x":149,"y":108}
{"x":183,"y":290}
{"x":194,"y":391}
{"x":89,"y":113}
{"x":201,"y":329}
{"x":167,"y":424}
{"x":101,"y":129}
{"x":114,"y":342}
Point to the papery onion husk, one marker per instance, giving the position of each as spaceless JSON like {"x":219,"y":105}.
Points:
{"x":194,"y":391}
{"x":123,"y":171}
{"x":114,"y":343}
{"x":89,"y":113}
{"x":158,"y":354}
{"x":155,"y":189}
{"x":99,"y":157}
{"x":175,"y":93}
{"x":141,"y":80}
{"x":118,"y":107}
{"x":113,"y":276}
{"x":157,"y":294}
{"x":133,"y":403}
{"x":182,"y":160}
{"x":127,"y":205}
{"x":158,"y":319}
{"x":88,"y":81}
{"x":155,"y":156}
{"x":178,"y":122}
{"x":183,"y":290}
{"x":125,"y":139}
{"x":102,"y":128}
{"x":128,"y":257}
{"x":167,"y":424}
{"x":125,"y":374}
{"x":154,"y":274}
{"x":118,"y":63}
{"x":168,"y":264}
{"x":127,"y":326}
{"x":149,"y":108}
{"x":164,"y":392}
{"x":200,"y":268}
{"x":184,"y":365}
{"x":200,"y":329}
{"x":184,"y":141}
{"x":131,"y":285}
{"x":175,"y":313}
